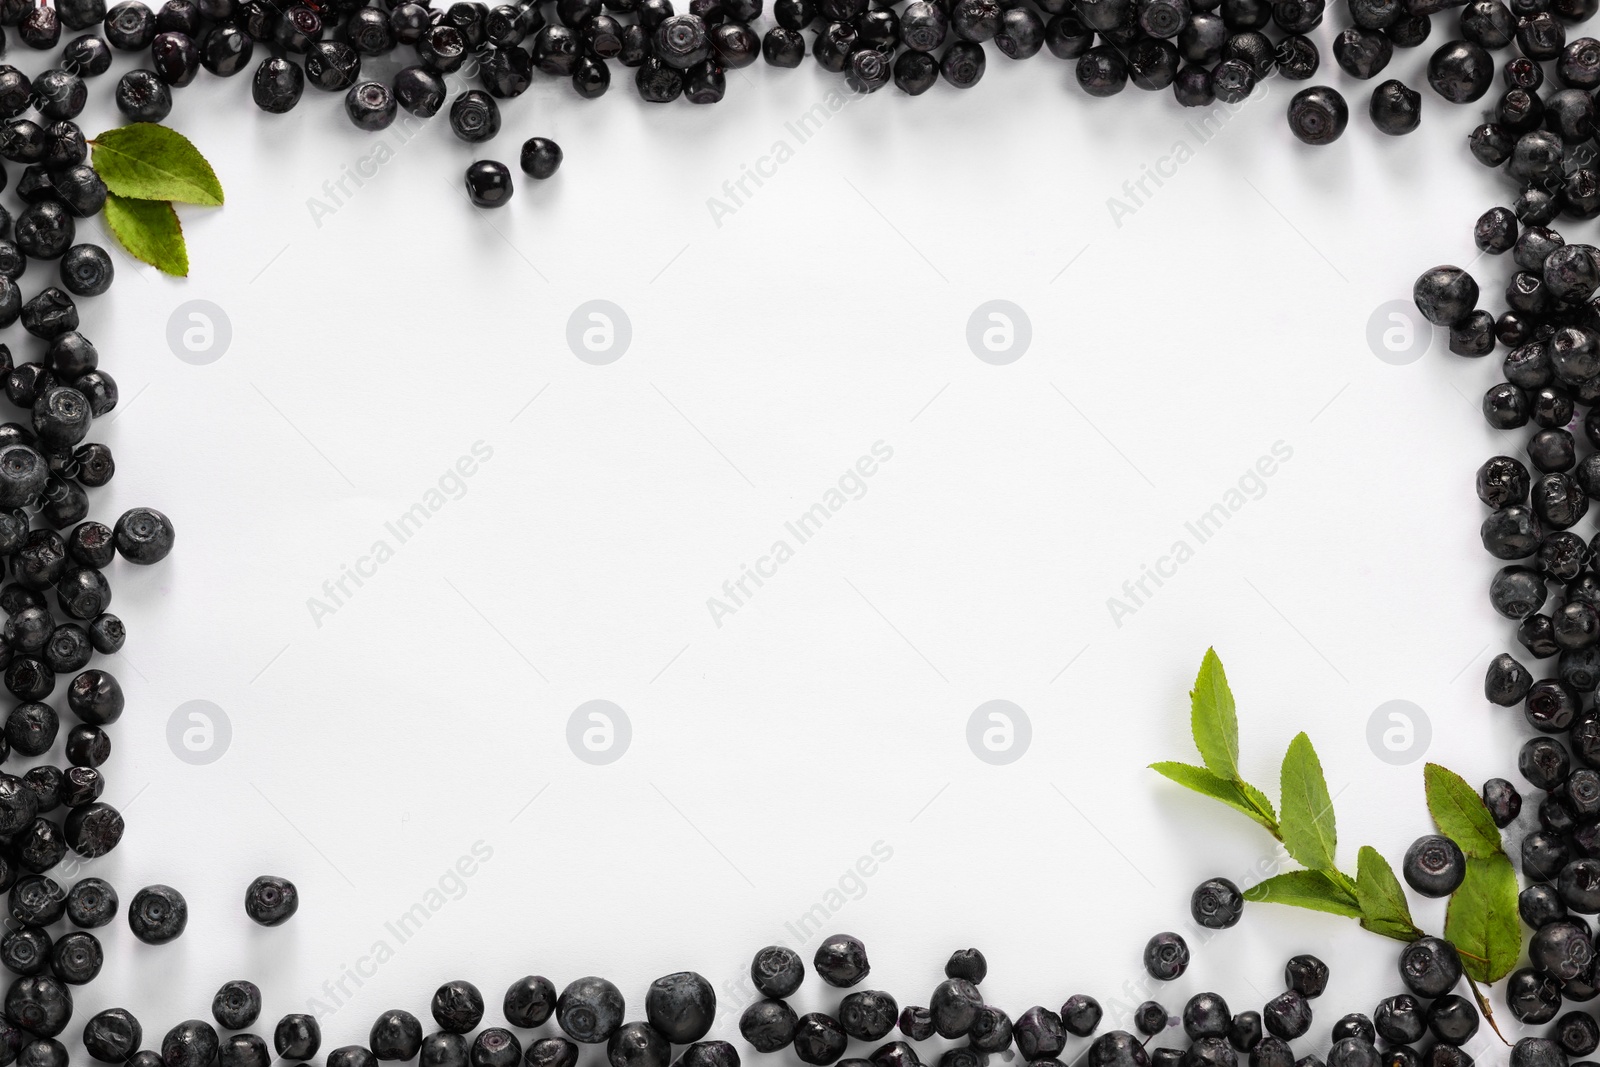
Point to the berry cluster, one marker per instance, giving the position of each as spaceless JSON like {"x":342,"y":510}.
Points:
{"x":1550,"y":329}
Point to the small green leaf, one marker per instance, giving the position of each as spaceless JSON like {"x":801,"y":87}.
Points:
{"x":1305,"y":889}
{"x":150,"y":231}
{"x":1260,"y":800}
{"x":145,"y":161}
{"x":1213,"y":720}
{"x":1482,"y":919}
{"x":1459,"y":812}
{"x":1307,"y":822}
{"x":1230,"y":793}
{"x":1384,"y":909}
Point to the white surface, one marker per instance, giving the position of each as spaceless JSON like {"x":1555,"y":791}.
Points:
{"x":827,"y":313}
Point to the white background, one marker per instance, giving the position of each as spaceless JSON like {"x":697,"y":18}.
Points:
{"x":370,"y":352}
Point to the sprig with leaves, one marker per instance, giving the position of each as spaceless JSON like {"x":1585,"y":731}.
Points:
{"x":147,"y":168}
{"x":1481,"y":920}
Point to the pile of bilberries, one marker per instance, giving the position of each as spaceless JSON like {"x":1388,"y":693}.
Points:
{"x":402,"y":55}
{"x":1549,"y":328}
{"x":1426,"y":1026}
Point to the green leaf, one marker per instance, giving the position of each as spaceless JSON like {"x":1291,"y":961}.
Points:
{"x":1482,"y":919}
{"x":1460,"y":814}
{"x":1230,"y":793}
{"x":1384,"y":909}
{"x":145,"y":161}
{"x":1307,"y":821}
{"x":1260,"y":800}
{"x":1213,"y":720}
{"x":149,"y":230}
{"x":1305,"y":889}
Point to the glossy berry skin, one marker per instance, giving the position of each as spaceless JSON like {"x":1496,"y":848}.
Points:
{"x":243,"y":1050}
{"x":157,"y":915}
{"x":370,"y":106}
{"x":1395,"y":108}
{"x":1563,"y":949}
{"x":143,"y":97}
{"x":61,"y":95}
{"x":96,"y":697}
{"x":1577,"y":1033}
{"x":352,"y":1056}
{"x":1206,"y":1015}
{"x":1216,"y":904}
{"x":277,"y":85}
{"x":1460,"y":71}
{"x":39,"y":1004}
{"x":1166,"y":956}
{"x":144,"y":536}
{"x":681,"y":41}
{"x":226,"y":50}
{"x":26,"y":950}
{"x":396,"y":1035}
{"x":488,"y":183}
{"x":1502,"y":800}
{"x":112,"y":1036}
{"x":769,"y":1025}
{"x":444,"y":1050}
{"x":76,"y":958}
{"x":36,"y":900}
{"x":1496,"y":231}
{"x":69,"y":650}
{"x":45,"y":230}
{"x":682,"y":1006}
{"x":1445,"y":295}
{"x":991,"y":1030}
{"x":1117,"y":1048}
{"x":777,"y":971}
{"x":237,"y":1005}
{"x":529,"y":1002}
{"x":1038,"y":1033}
{"x":271,"y":901}
{"x":1400,"y":1019}
{"x":1151,"y":1018}
{"x":420,"y":91}
{"x":91,"y":903}
{"x":106,"y":634}
{"x":589,"y":1010}
{"x":963,"y":64}
{"x":1081,"y":1014}
{"x":1245,"y":1031}
{"x":1537,"y":1052}
{"x":786,"y":48}
{"x":1434,"y":866}
{"x":297,"y":1037}
{"x":540,"y":157}
{"x":1430,"y":967}
{"x":841,"y":961}
{"x":819,"y":1040}
{"x":498,"y":1047}
{"x":1287,"y":1016}
{"x":1102,"y":71}
{"x":954,"y":1005}
{"x":1297,"y":58}
{"x":1452,"y":1019}
{"x":475,"y":117}
{"x":591,"y":77}
{"x":86,"y":56}
{"x":916,"y":1023}
{"x":559,"y":1052}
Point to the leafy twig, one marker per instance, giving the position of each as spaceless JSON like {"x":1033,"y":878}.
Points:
{"x":1482,"y":917}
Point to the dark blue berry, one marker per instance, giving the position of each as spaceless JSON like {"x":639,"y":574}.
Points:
{"x":589,"y":1010}
{"x":158,"y":914}
{"x":1166,"y":956}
